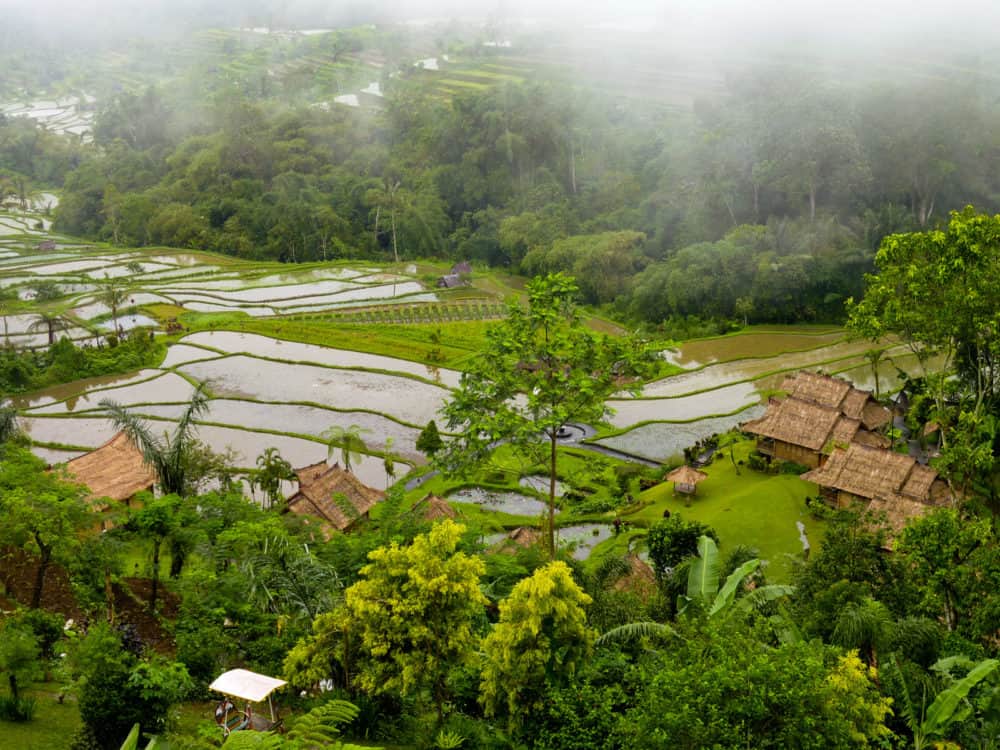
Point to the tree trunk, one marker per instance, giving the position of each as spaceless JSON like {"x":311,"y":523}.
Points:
{"x":156,"y":575}
{"x":43,"y":565}
{"x":12,"y":681}
{"x":572,"y":167}
{"x":109,"y":596}
{"x":395,"y":250}
{"x":552,"y":497}
{"x":812,"y":203}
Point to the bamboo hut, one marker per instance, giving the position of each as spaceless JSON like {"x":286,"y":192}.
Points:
{"x":819,"y":414}
{"x":686,"y":479}
{"x":523,"y":537}
{"x":333,"y":496}
{"x":115,"y":471}
{"x":433,"y":508}
{"x":887,"y":482}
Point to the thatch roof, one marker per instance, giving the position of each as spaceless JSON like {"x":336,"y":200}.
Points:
{"x":320,"y":486}
{"x":796,"y":422}
{"x":686,"y":475}
{"x":640,"y":579}
{"x":523,"y":536}
{"x":839,"y":394}
{"x":462,"y":267}
{"x":898,"y":510}
{"x":115,"y":470}
{"x":874,"y":473}
{"x":434,"y":508}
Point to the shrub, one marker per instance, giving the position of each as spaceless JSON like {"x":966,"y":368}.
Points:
{"x":790,"y":467}
{"x":16,"y":709}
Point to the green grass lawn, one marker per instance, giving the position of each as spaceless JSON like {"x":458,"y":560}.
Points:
{"x":754,"y":509}
{"x":52,"y":726}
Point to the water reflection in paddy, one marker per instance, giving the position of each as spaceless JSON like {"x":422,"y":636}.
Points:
{"x":740,"y":346}
{"x":242,"y":376}
{"x":583,"y":537}
{"x":502,"y":502}
{"x":166,"y":388}
{"x":77,"y":387}
{"x":719,"y":401}
{"x":86,"y":432}
{"x":662,"y":441}
{"x":263,"y":346}
{"x":178,"y":354}
{"x":720,"y":374}
{"x":541,"y":484}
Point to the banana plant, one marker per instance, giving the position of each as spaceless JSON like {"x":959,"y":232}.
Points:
{"x":703,"y":583}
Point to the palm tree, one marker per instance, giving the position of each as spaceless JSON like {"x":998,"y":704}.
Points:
{"x":867,"y":627}
{"x":348,"y":439}
{"x":169,"y":455}
{"x":51,"y":322}
{"x":113,"y":294}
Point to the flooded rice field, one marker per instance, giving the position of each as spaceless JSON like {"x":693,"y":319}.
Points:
{"x":541,"y":484}
{"x":663,"y":441}
{"x":723,"y":400}
{"x":513,"y":503}
{"x":582,"y":538}
{"x":238,"y":376}
{"x":741,"y":346}
{"x":290,"y":351}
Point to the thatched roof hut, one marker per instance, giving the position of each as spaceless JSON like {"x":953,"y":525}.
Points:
{"x":839,"y":394}
{"x":433,"y":508}
{"x":463,"y":267}
{"x":524,"y":537}
{"x":450,"y":281}
{"x":686,"y":479}
{"x":116,"y":470}
{"x":640,"y":580}
{"x":334,"y":496}
{"x":875,"y":473}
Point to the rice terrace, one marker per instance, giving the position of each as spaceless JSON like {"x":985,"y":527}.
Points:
{"x":289,"y":352}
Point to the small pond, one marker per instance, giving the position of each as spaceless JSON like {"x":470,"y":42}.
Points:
{"x":503,"y":502}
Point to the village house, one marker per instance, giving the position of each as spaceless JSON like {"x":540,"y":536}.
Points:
{"x":819,"y":413}
{"x":885,"y":481}
{"x":332,"y":496}
{"x":115,"y":471}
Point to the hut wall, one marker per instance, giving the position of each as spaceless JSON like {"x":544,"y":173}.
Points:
{"x":796,"y":453}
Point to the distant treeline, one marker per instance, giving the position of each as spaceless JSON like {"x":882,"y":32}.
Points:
{"x":766,"y":204}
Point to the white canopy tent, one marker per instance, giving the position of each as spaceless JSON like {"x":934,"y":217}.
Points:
{"x":248,"y":686}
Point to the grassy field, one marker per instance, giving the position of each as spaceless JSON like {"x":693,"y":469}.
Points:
{"x":749,"y":508}
{"x":52,"y":727}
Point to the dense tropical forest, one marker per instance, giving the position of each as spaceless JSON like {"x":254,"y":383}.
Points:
{"x":521,"y":303}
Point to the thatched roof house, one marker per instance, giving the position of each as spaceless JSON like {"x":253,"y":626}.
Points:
{"x":890,"y":482}
{"x":433,"y":508}
{"x":462,"y":268}
{"x":116,"y":470}
{"x":332,"y":495}
{"x":450,"y":281}
{"x":640,"y":580}
{"x":820,"y":412}
{"x":686,"y":479}
{"x":523,"y":537}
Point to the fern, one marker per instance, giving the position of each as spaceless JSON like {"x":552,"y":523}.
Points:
{"x":633,"y":631}
{"x":249,"y":740}
{"x":320,"y":727}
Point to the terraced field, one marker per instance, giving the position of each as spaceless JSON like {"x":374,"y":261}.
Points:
{"x":289,"y":352}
